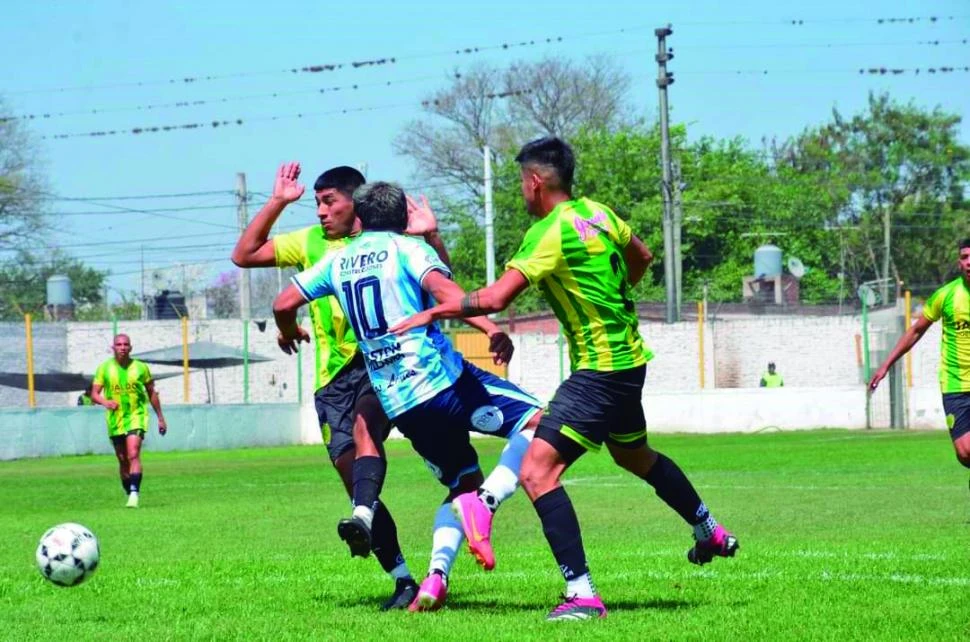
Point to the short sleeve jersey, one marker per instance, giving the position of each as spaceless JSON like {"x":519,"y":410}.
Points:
{"x":575,"y":256}
{"x":951,"y":306}
{"x":333,"y":338}
{"x":126,"y":385}
{"x":377,"y":279}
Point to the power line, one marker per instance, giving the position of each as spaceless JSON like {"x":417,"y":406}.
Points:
{"x":154,"y":129}
{"x":868,"y":71}
{"x":378,"y":61}
{"x":215,"y":101}
{"x":351,"y":65}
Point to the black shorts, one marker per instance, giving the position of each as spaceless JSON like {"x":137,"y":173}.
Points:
{"x":591,"y":407}
{"x":336,"y":403}
{"x":956,"y":407}
{"x":120,"y":439}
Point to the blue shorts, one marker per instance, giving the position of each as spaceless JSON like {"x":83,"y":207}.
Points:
{"x":478,"y":401}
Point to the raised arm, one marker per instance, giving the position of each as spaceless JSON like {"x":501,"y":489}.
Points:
{"x":254,"y":248}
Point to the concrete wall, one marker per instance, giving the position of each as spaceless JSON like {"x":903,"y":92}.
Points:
{"x":45,"y":432}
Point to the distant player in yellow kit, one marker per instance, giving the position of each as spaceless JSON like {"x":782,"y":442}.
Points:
{"x":124,"y":386}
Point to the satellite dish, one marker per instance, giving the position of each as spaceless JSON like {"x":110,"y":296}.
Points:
{"x":867,"y":295}
{"x":796,"y":267}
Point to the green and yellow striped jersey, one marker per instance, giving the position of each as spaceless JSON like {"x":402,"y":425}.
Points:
{"x":333,"y":338}
{"x":951,"y":304}
{"x":575,"y":256}
{"x":126,"y":385}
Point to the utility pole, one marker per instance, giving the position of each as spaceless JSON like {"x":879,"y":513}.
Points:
{"x":243,"y":214}
{"x":489,"y":220}
{"x":887,"y":241}
{"x":678,"y":222}
{"x":144,"y":311}
{"x":664,"y":80}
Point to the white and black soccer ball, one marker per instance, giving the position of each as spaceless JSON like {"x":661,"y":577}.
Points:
{"x":68,"y":554}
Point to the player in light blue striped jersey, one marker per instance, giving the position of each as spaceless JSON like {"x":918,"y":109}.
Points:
{"x":427,"y":389}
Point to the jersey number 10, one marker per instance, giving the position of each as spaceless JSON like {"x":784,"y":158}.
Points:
{"x":364,"y":307}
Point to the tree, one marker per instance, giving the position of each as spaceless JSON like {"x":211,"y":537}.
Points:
{"x":505,"y":107}
{"x":24,"y":280}
{"x":21,"y":186}
{"x":901,"y":175}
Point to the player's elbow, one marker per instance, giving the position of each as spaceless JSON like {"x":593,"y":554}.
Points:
{"x":240,"y":258}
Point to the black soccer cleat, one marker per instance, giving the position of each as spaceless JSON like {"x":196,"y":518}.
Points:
{"x":405,"y":591}
{"x":356,"y":534}
{"x":720,"y":544}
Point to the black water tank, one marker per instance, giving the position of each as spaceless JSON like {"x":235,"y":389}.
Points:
{"x":170,"y":304}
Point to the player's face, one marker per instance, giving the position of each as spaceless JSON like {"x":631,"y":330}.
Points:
{"x":531,"y":183}
{"x":121,"y":347}
{"x":336,"y":213}
{"x":965,"y":262}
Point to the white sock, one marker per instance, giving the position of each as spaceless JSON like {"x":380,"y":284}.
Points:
{"x":364,"y":514}
{"x":705,"y":529}
{"x":581,"y":586}
{"x":502,"y":482}
{"x":446,"y":540}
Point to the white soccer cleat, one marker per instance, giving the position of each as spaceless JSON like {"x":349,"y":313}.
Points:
{"x":132,"y":500}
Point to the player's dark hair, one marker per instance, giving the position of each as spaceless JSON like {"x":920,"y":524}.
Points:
{"x":550,"y":153}
{"x":344,"y":179}
{"x":381,"y":206}
{"x":965,"y":243}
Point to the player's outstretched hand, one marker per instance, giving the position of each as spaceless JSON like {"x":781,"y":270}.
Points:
{"x":876,"y":378}
{"x":412,"y":322}
{"x":290,"y":344}
{"x":286,"y":188}
{"x":501,"y":347}
{"x":421,"y":220}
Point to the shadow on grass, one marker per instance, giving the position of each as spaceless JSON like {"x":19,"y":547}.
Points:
{"x":487,"y":605}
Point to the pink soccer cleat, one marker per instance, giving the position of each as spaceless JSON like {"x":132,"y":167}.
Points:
{"x":720,"y":544}
{"x":476,"y":521}
{"x":432,"y":594}
{"x":578,"y":608}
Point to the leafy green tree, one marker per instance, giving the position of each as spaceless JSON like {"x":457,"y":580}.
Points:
{"x":24,"y":281}
{"x":893,"y":166}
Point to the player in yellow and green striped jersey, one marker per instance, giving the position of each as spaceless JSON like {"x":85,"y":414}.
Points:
{"x":344,"y":398}
{"x":585,"y":260}
{"x":950,"y":305}
{"x":124,"y":386}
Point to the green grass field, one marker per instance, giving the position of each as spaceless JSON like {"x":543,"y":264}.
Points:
{"x":844,"y":535}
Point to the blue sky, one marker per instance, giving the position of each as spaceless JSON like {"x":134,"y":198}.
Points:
{"x":58,"y":57}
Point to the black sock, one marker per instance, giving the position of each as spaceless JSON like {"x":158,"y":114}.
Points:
{"x":675,"y":489}
{"x":383,"y":541}
{"x":135,"y":480}
{"x":126,"y":484}
{"x":368,"y":477}
{"x":561,"y":526}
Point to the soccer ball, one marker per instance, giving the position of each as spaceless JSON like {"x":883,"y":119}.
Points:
{"x":68,"y":554}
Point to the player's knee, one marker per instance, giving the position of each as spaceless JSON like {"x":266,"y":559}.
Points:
{"x":961,"y":446}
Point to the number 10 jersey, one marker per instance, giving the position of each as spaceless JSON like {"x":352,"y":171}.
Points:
{"x":377,"y":279}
